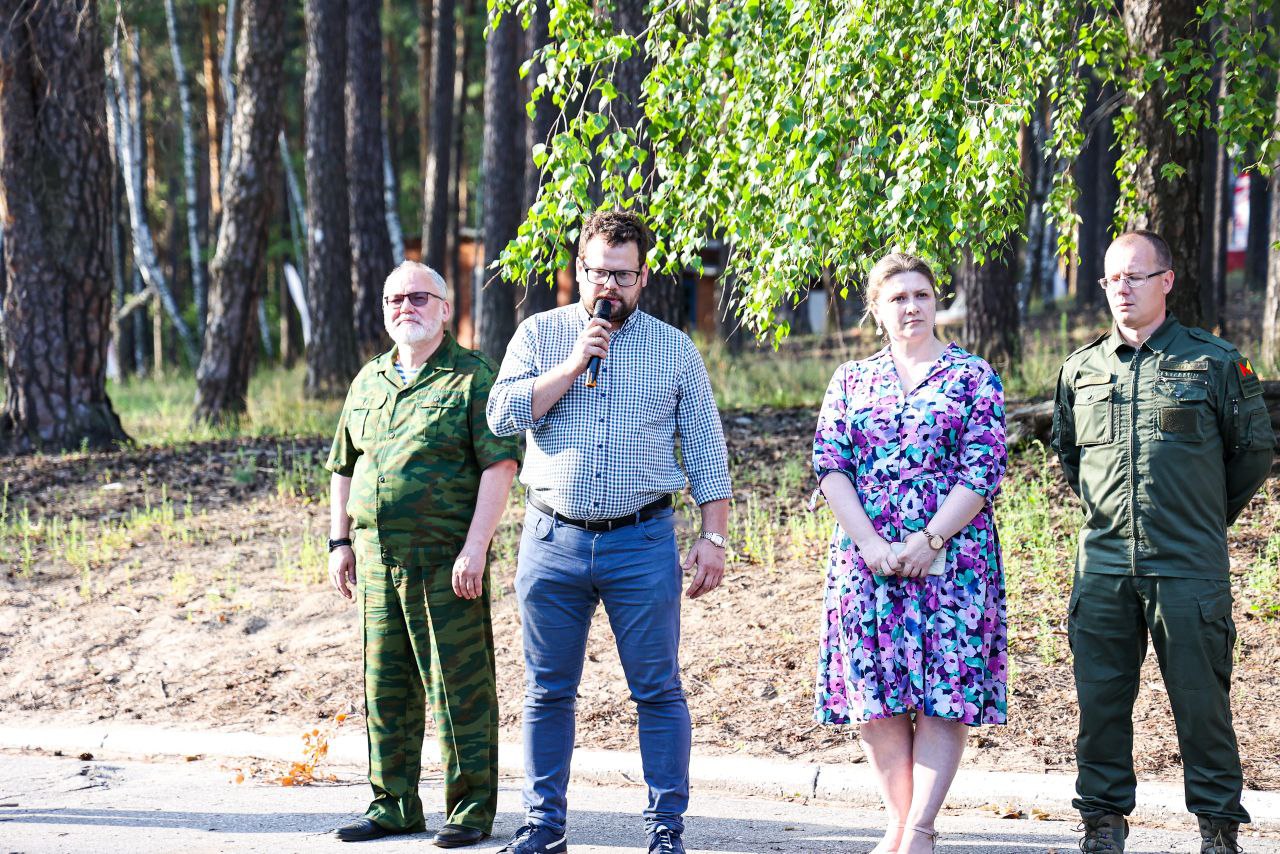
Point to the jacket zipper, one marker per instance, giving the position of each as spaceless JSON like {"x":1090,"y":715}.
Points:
{"x":1133,"y":466}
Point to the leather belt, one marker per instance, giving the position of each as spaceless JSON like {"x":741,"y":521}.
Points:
{"x":644,"y":513}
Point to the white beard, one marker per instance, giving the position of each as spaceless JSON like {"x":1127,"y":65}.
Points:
{"x":408,"y":334}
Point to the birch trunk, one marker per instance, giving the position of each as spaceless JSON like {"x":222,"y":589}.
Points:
{"x":188,"y":173}
{"x":128,"y":133}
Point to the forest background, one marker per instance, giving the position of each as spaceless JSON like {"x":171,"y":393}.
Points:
{"x":201,"y":200}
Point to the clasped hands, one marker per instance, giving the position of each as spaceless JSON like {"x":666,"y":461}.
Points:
{"x":913,"y":562}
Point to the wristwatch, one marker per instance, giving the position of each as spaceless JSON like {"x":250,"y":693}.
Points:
{"x":715,"y":539}
{"x":935,"y":542}
{"x":333,"y":544}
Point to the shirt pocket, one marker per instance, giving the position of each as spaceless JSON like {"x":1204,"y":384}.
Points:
{"x":1092,"y":412}
{"x":442,"y":415}
{"x":366,"y":414}
{"x":1182,"y":411}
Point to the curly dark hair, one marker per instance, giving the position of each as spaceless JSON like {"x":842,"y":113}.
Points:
{"x":617,"y":228}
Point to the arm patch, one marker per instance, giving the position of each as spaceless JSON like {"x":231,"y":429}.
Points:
{"x":1250,"y":385}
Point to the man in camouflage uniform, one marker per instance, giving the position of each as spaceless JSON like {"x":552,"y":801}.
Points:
{"x":421,"y":483}
{"x":1163,"y":434}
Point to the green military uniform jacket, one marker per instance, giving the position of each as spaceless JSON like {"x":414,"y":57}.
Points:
{"x":1164,"y":446}
{"x":415,"y":453}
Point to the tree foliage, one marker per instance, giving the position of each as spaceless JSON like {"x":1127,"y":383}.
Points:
{"x":817,"y":134}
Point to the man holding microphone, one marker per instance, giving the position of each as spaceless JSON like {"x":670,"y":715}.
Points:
{"x":600,"y":469}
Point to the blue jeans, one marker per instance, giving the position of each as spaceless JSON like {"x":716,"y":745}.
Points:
{"x":563,"y":572}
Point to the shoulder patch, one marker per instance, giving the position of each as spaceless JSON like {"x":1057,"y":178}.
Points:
{"x":1250,"y":385}
{"x":1209,"y":338}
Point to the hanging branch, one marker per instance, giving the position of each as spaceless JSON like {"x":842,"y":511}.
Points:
{"x":228,"y":87}
{"x":188,"y":172}
{"x":394,"y":231}
{"x":128,"y":121}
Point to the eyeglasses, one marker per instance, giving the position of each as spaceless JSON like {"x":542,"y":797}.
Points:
{"x":1130,"y":281}
{"x":417,"y":299}
{"x":599,"y":276}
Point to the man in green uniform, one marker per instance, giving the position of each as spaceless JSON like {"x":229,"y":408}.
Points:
{"x":421,"y":483}
{"x":1162,"y":433}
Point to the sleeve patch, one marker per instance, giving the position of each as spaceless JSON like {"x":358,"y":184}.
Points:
{"x":1250,"y":385}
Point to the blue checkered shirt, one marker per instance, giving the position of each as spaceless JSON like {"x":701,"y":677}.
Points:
{"x":606,"y":452}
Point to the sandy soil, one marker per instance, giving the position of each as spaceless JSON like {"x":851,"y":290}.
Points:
{"x":209,"y":609}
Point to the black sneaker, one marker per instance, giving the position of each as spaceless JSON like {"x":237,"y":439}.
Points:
{"x":536,"y":839}
{"x":1103,"y":834}
{"x":664,"y":840}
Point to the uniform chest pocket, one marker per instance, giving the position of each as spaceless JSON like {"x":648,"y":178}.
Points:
{"x":1182,"y":412}
{"x":441,"y":414}
{"x":366,"y":415}
{"x":1092,"y":413}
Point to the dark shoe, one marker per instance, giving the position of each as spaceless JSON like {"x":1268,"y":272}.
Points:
{"x":664,"y":840}
{"x":536,"y":839}
{"x":1218,"y":836}
{"x":1103,"y":833}
{"x":458,"y":836}
{"x":362,"y":830}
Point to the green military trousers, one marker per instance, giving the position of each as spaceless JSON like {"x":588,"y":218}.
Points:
{"x":418,"y":633}
{"x":1189,"y":620}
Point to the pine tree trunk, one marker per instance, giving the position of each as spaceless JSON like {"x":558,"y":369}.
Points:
{"x":539,"y":294}
{"x":991,"y":308}
{"x":1095,"y":176}
{"x":212,"y":106}
{"x":1171,"y":206}
{"x":1271,"y":304}
{"x":437,"y":167}
{"x":370,"y":240}
{"x":239,"y":263}
{"x":332,"y":356}
{"x":503,"y":170}
{"x":55,"y":190}
{"x":1258,"y":249}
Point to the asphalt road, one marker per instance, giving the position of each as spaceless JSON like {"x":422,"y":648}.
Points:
{"x":53,"y":804}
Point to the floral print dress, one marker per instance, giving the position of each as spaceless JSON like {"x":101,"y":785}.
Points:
{"x":936,"y":644}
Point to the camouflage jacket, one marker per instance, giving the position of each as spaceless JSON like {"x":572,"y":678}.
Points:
{"x":415,"y":453}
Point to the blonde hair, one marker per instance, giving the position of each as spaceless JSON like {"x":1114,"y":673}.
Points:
{"x":886,"y":268}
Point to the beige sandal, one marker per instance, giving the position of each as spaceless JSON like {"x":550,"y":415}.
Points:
{"x":933,"y":835}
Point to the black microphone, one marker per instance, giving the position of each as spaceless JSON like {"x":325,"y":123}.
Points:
{"x":604,"y":308}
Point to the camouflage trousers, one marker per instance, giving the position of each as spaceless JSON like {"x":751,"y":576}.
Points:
{"x":422,"y":641}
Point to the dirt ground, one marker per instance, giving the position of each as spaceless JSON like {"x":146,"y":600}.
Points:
{"x":202,"y":603}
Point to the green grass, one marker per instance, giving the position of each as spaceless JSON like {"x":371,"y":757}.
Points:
{"x":158,"y":412}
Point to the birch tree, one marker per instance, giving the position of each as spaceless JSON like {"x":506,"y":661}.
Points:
{"x":188,"y":172}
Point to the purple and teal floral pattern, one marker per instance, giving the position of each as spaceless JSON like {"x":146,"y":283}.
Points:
{"x":935,"y":645}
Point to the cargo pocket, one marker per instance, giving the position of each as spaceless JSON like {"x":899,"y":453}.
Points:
{"x":440,"y":412}
{"x":1182,"y":411}
{"x":1092,"y":413}
{"x":1219,"y":632}
{"x":365,"y":416}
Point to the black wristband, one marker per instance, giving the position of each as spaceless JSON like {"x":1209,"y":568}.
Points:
{"x":333,"y":544}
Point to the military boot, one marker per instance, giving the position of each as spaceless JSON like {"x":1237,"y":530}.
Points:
{"x":1218,"y":836}
{"x":1103,"y":833}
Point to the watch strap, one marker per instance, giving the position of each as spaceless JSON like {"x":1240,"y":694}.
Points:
{"x":338,"y":543}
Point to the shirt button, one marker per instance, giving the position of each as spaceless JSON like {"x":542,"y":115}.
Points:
{"x":382,"y":480}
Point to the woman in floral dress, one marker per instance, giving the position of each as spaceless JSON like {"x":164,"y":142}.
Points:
{"x":915,"y":435}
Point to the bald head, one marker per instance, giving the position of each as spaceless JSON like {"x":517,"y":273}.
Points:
{"x":1160,"y":253}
